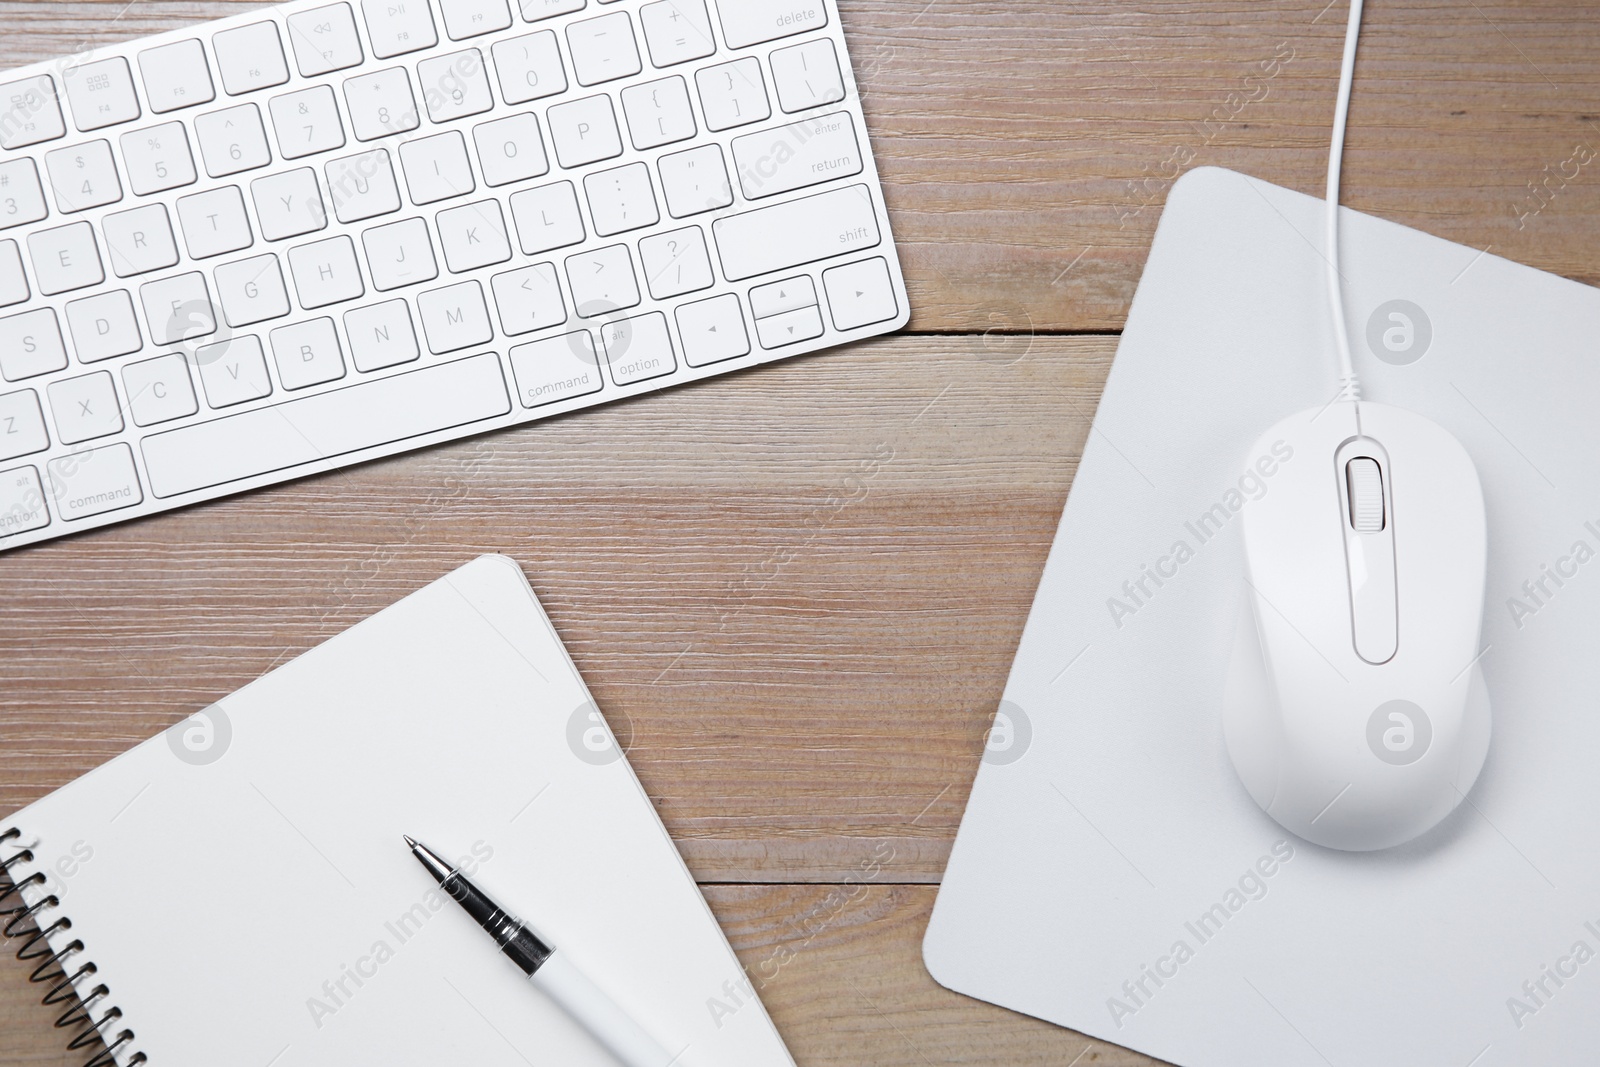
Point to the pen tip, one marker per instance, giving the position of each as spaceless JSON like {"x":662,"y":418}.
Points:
{"x":411,"y":842}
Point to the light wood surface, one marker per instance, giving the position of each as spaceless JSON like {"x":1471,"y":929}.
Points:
{"x":798,"y":589}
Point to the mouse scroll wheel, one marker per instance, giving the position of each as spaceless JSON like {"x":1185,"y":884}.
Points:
{"x":1366,"y":494}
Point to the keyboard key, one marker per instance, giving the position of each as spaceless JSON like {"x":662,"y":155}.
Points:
{"x":733,"y":94}
{"x":158,"y":159}
{"x":31,"y":345}
{"x":22,"y":506}
{"x":778,"y":298}
{"x":289,"y":204}
{"x":326,"y":272}
{"x":602,"y":281}
{"x":455,"y":317}
{"x":511,"y":150}
{"x":800,"y":231}
{"x":658,"y":112}
{"x":140,"y":240}
{"x":214,"y":222}
{"x":712,"y":330}
{"x":397,"y":27}
{"x":860,"y":294}
{"x":250,"y":58}
{"x":455,"y":86}
{"x":807,"y":75}
{"x":547,"y":217}
{"x":676,"y":262}
{"x":326,"y":425}
{"x":21,"y":195}
{"x":252,"y":291}
{"x":22,"y":430}
{"x":324,"y":39}
{"x":556,"y":368}
{"x":469,"y":18}
{"x":437,"y":168}
{"x":748,"y":22}
{"x":474,"y":236}
{"x":307,"y":354}
{"x":785,"y":158}
{"x":363,"y":186}
{"x":32,"y":113}
{"x":101,"y":93}
{"x":529,"y":68}
{"x":94,"y":482}
{"x":178,"y":308}
{"x":791,"y":327}
{"x":307,"y":122}
{"x":381,"y":104}
{"x":13,"y":279}
{"x":65,"y":258}
{"x":603,"y":48}
{"x":85,"y":408}
{"x":233,"y":371}
{"x":232,"y":140}
{"x":400,"y":254}
{"x":103,"y":326}
{"x":585,"y":131}
{"x":381,"y":336}
{"x":695,"y":181}
{"x":676,"y":31}
{"x":529,"y":298}
{"x":159,"y":390}
{"x":176,"y":76}
{"x":621,"y":199}
{"x":534,"y":10}
{"x":638,"y":349}
{"x":83,"y":177}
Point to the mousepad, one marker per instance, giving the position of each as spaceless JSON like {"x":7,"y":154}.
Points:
{"x":1111,"y":874}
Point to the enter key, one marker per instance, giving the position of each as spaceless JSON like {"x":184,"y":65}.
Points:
{"x":799,"y":154}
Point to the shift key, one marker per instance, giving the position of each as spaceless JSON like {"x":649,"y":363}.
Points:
{"x":797,"y":232}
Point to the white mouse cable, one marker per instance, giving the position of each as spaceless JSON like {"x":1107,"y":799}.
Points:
{"x":1349,"y":384}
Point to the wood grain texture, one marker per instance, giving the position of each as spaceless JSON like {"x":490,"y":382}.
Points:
{"x":797,"y":590}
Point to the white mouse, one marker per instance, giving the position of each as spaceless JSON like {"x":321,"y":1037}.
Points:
{"x":1355,"y":713}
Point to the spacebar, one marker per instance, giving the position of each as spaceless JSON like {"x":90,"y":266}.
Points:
{"x":326,"y":425}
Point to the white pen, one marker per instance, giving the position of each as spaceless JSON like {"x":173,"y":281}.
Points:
{"x":548,"y":969}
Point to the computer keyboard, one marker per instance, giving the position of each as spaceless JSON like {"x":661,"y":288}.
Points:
{"x":316,"y":234}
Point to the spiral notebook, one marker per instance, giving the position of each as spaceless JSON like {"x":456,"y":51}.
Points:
{"x":240,"y":886}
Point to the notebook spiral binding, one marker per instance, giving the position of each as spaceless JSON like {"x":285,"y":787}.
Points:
{"x":53,"y":967}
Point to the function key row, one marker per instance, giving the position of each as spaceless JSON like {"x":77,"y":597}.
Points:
{"x":325,"y":39}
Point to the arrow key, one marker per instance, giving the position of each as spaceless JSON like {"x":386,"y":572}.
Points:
{"x":789,"y":328}
{"x":712,"y":330}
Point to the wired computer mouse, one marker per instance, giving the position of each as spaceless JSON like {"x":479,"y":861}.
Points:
{"x":1356,"y":713}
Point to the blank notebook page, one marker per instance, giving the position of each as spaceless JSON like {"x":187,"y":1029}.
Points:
{"x":262,"y":908}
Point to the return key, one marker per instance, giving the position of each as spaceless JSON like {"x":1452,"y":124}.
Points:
{"x":797,"y":155}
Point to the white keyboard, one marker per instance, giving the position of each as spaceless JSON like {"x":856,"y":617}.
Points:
{"x":317,"y":233}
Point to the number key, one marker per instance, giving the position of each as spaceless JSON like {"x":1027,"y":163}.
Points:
{"x":158,"y":158}
{"x":83,"y":177}
{"x":455,"y":86}
{"x":21,"y":195}
{"x":307,"y":122}
{"x":381,"y":104}
{"x":233,"y":140}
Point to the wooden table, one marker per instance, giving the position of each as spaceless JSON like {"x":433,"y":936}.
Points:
{"x":799,"y":588}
